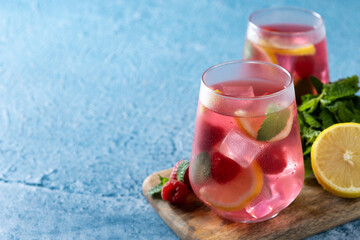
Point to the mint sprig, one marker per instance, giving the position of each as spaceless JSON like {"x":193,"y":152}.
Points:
{"x":156,"y":191}
{"x":335,"y":102}
{"x":180,"y":174}
{"x":273,"y":124}
{"x":201,"y":168}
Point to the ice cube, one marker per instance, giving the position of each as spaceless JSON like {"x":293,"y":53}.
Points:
{"x":265,"y":203}
{"x":239,"y":148}
{"x":239,"y":91}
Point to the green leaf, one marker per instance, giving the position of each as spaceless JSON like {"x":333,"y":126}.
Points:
{"x":317,"y":84}
{"x":309,"y":119}
{"x":307,"y":165}
{"x":163,"y":180}
{"x":273,"y":124}
{"x":157,"y":189}
{"x":356,"y":101}
{"x":309,"y":105}
{"x":310,"y":135}
{"x":344,"y":114}
{"x":333,"y":108}
{"x":183,"y":166}
{"x":341,"y":88}
{"x":201,"y":170}
{"x":343,"y":111}
{"x":326,"y":118}
{"x":356,"y":117}
{"x":301,"y":119}
{"x":307,"y":150}
{"x":307,"y":97}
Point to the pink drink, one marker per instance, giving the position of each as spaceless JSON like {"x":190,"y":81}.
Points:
{"x":241,"y":172}
{"x":295,"y":40}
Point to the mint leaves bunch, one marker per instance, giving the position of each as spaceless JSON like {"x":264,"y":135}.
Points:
{"x":335,"y":103}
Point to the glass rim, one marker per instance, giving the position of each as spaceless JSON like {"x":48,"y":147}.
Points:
{"x":299,"y":9}
{"x":268,"y":96}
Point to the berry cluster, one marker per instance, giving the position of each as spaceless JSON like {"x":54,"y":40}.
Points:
{"x":176,"y":188}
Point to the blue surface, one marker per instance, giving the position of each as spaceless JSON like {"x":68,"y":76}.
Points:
{"x":97,"y":95}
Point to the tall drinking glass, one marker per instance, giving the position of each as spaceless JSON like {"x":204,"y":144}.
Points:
{"x":246,"y":161}
{"x":293,"y":38}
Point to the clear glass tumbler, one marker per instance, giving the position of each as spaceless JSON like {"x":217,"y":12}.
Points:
{"x":293,"y":38}
{"x":246,"y":161}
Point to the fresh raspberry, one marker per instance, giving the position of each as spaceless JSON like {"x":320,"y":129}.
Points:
{"x":304,"y":66}
{"x":174,"y":173}
{"x":174,"y":191}
{"x":210,"y":135}
{"x":272,"y":160}
{"x":223,"y":169}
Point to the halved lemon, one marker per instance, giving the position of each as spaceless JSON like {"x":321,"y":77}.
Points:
{"x":335,"y":159}
{"x":237,"y":193}
{"x":252,"y":125}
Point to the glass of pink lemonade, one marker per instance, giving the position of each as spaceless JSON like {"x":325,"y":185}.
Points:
{"x":246,"y":162}
{"x":293,"y":38}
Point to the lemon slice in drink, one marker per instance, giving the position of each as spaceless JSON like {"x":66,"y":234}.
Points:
{"x":335,"y":159}
{"x":278,"y":48}
{"x":237,"y":193}
{"x":300,"y":51}
{"x":275,"y":130}
{"x":254,"y":51}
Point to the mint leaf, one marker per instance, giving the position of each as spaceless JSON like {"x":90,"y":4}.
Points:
{"x":317,"y":84}
{"x":343,"y":111}
{"x":309,"y":105}
{"x":326,"y":118}
{"x":183,"y":166}
{"x":333,"y":108}
{"x":307,"y":97}
{"x":344,"y":114}
{"x":307,"y":150}
{"x":200,"y":170}
{"x":307,"y":165}
{"x":157,"y":189}
{"x":356,"y":116}
{"x":309,"y":135}
{"x":273,"y":124}
{"x":309,"y":119}
{"x":356,"y":101}
{"x":342,"y":88}
{"x":163,"y":180}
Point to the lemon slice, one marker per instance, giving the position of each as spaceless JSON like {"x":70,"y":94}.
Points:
{"x":335,"y":159}
{"x":254,"y":51}
{"x":252,"y":125}
{"x":301,"y":51}
{"x":296,"y":51}
{"x":237,"y":193}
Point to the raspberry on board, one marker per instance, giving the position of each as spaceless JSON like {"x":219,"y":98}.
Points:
{"x":174,"y":191}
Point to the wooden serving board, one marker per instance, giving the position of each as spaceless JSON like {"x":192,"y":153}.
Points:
{"x":313,"y":211}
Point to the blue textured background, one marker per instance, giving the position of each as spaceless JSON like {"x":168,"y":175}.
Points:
{"x":97,"y":95}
